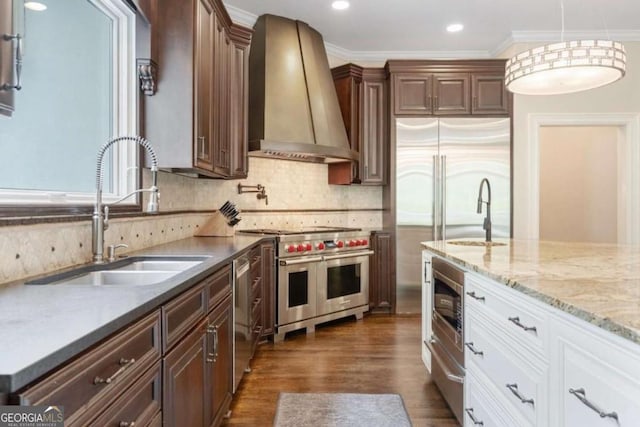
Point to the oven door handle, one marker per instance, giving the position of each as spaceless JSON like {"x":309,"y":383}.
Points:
{"x":349,"y":255}
{"x":285,"y":262}
{"x":450,"y":375}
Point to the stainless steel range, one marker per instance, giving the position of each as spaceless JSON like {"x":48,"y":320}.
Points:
{"x":323,"y":274}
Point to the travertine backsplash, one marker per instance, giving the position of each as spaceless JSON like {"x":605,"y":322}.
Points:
{"x":29,"y":250}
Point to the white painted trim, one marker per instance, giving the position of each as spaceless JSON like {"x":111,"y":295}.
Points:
{"x":629,"y":188}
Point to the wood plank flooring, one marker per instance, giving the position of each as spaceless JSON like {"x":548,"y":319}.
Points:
{"x":380,"y":354}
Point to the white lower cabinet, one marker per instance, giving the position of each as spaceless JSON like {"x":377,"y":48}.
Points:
{"x":596,"y":379}
{"x":483,"y":406}
{"x":521,"y":380}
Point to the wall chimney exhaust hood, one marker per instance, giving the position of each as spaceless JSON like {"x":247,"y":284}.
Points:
{"x":293,"y":106}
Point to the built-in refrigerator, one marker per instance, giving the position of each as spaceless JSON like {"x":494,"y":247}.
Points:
{"x":440,"y":163}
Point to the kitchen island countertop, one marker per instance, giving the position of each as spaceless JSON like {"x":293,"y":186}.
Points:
{"x":43,"y":326}
{"x":598,"y":283}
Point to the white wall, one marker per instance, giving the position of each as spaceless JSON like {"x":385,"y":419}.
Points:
{"x":620,"y":97}
{"x":578,"y":184}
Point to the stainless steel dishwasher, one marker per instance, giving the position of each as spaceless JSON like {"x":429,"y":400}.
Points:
{"x":241,"y":319}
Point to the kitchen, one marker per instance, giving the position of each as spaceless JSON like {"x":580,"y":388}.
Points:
{"x":298,"y":195}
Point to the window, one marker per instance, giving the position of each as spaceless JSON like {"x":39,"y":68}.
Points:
{"x":79,"y":89}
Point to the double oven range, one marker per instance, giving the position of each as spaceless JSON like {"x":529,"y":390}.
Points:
{"x":323,"y":274}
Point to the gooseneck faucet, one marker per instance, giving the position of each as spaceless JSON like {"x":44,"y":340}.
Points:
{"x":487,"y":220}
{"x":100,"y":218}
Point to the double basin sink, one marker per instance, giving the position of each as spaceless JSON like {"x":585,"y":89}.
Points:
{"x":134,"y":271}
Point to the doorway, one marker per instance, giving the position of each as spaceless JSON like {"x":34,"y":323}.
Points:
{"x":580,"y":183}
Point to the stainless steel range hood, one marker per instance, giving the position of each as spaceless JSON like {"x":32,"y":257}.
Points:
{"x":293,"y":106}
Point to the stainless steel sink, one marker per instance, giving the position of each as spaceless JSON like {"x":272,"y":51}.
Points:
{"x":121,"y":277}
{"x":134,"y":271}
{"x":475,"y":243}
{"x":159,"y":265}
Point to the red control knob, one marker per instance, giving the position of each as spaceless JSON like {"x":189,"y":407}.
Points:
{"x":351,"y":243}
{"x":320,"y":246}
{"x":365,"y":242}
{"x":340,"y":243}
{"x":309,"y":247}
{"x":358,"y":242}
{"x":300,"y":247}
{"x":291,"y":248}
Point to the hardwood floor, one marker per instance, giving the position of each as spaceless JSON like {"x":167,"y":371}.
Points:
{"x":380,"y":354}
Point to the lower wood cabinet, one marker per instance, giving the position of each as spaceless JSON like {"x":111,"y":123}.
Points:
{"x":382,"y":289}
{"x":268,"y":289}
{"x":219,"y":362}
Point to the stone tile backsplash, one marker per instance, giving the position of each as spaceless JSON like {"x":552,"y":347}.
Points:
{"x":29,"y":250}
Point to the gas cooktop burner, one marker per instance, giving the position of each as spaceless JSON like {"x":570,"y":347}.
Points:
{"x":306,"y":230}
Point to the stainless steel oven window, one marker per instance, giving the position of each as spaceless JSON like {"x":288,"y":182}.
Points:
{"x":343,"y":280}
{"x":297,"y":280}
{"x":298,"y":288}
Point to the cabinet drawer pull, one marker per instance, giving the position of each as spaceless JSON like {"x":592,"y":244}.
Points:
{"x":213,"y":356}
{"x":514,"y":389}
{"x":470,"y":346}
{"x":124,"y":364}
{"x":474,"y":420}
{"x":582,"y":397}
{"x":256,"y":302}
{"x":473,"y":295}
{"x":516,"y":321}
{"x":127,"y":424}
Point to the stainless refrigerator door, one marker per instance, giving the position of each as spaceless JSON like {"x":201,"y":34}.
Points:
{"x":417,"y":147}
{"x":473,"y":149}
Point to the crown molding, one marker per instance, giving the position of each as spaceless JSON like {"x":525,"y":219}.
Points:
{"x":241,"y":16}
{"x":384,"y":55}
{"x":248,"y":19}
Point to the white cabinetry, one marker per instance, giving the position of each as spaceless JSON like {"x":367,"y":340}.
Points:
{"x":595,"y":377}
{"x":530,"y":364}
{"x":427,"y":293}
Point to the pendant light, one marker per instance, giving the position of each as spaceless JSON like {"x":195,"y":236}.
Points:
{"x":565,"y":67}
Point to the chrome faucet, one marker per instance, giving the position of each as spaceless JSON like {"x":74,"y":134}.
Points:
{"x":100,"y":218}
{"x":487,"y":220}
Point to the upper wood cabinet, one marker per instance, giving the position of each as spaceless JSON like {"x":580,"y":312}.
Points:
{"x":448,"y":88}
{"x":197,"y":120}
{"x":363,"y":98}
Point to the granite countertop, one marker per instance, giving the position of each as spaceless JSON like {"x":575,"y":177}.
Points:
{"x":599,"y":283}
{"x":42,"y":326}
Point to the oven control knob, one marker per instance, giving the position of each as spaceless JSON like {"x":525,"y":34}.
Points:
{"x":365,"y":242}
{"x":351,"y":243}
{"x":300,"y":247}
{"x":291,"y":248}
{"x":340,"y":243}
{"x":309,"y":247}
{"x":358,"y":242}
{"x":320,"y":246}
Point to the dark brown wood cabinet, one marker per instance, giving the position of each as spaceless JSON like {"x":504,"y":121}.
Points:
{"x":382,"y":292}
{"x":184,"y":377}
{"x":363,"y":97}
{"x":219,"y":362}
{"x":448,"y":88}
{"x":489,"y":95}
{"x":197,"y":120}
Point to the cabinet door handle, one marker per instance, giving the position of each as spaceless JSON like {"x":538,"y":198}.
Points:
{"x":435,"y":101}
{"x":473,"y":295}
{"x":474,"y":420}
{"x":582,"y":397}
{"x":213,"y":356}
{"x":514,"y":389}
{"x":18,"y":84}
{"x":127,"y":424}
{"x":475,"y":102}
{"x":430,"y":102}
{"x":470,"y":346}
{"x":516,"y":321}
{"x":124,"y":364}
{"x":202,"y":144}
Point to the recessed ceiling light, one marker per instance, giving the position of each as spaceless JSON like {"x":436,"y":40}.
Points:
{"x":340,"y":5}
{"x":34,"y":5}
{"x":454,"y":28}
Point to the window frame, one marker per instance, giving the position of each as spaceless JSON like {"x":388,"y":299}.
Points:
{"x":126,"y":158}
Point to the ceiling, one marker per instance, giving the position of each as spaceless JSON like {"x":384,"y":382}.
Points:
{"x":371,"y":28}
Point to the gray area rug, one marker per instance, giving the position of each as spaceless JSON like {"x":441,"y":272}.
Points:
{"x":340,"y":410}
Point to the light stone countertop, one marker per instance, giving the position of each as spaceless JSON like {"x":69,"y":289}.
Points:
{"x":42,"y":326}
{"x":599,"y":283}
